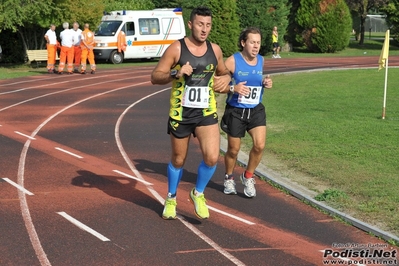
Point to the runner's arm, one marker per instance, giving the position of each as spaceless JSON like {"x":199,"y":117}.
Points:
{"x":161,"y":74}
{"x":223,"y":76}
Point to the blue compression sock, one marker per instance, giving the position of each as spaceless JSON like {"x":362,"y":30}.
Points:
{"x":205,"y":174}
{"x":174,"y":176}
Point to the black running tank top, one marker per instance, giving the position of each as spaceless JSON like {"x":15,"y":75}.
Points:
{"x":204,"y":68}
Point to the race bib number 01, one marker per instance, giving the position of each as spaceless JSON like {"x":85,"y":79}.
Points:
{"x":253,"y":97}
{"x":196,"y":97}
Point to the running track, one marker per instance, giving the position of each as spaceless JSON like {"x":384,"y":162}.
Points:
{"x":82,"y":181}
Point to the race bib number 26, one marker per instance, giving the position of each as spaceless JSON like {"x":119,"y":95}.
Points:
{"x":196,"y":97}
{"x":253,"y":97}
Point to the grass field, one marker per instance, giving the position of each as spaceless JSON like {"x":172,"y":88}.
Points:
{"x":331,"y":139}
{"x":369,"y":48}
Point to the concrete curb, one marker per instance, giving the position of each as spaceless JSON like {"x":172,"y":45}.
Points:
{"x":307,"y":195}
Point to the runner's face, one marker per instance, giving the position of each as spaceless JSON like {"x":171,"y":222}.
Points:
{"x":252,"y":45}
{"x":200,"y":27}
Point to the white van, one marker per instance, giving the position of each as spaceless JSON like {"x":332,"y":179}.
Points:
{"x":148,"y":33}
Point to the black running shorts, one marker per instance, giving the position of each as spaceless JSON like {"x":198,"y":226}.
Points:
{"x":236,"y":121}
{"x":182,"y":129}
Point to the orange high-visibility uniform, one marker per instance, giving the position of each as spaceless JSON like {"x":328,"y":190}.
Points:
{"x":77,"y":58}
{"x":51,"y":46}
{"x":67,"y":51}
{"x":51,"y":55}
{"x":77,"y":49}
{"x":67,"y":54}
{"x":122,"y":41}
{"x":87,"y":45}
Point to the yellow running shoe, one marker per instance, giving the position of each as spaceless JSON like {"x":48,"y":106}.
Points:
{"x":169,"y":210}
{"x":200,"y":208}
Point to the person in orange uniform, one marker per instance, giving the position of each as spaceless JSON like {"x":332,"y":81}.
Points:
{"x":51,"y":39}
{"x":67,"y":50}
{"x":122,"y":41}
{"x":77,"y":36}
{"x":87,"y":45}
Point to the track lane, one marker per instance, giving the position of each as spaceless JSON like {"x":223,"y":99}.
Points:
{"x":152,"y":165}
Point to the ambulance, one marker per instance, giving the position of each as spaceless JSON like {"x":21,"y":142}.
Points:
{"x":147,"y":33}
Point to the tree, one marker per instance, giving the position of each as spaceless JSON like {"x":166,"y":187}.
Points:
{"x":392,"y":19}
{"x":360,"y":9}
{"x":224,"y":13}
{"x":264,"y":14}
{"x":31,"y":19}
{"x":15,"y":13}
{"x":293,"y":28}
{"x":114,"y":5}
{"x":170,"y":4}
{"x":326,"y":25}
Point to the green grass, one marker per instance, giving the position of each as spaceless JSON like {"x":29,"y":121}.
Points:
{"x":16,"y":72}
{"x":369,"y":48}
{"x":327,"y":125}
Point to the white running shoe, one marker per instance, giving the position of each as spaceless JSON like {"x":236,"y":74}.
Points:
{"x":229,"y":186}
{"x":249,"y":186}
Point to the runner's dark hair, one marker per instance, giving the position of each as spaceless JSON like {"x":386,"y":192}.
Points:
{"x":244,"y":35}
{"x":200,"y":11}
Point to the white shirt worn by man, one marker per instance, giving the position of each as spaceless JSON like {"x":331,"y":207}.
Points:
{"x":51,"y":37}
{"x":67,"y":37}
{"x":77,"y":37}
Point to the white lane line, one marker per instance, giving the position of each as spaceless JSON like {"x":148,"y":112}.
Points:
{"x":210,"y":242}
{"x":193,"y":229}
{"x":7,"y":92}
{"x":133,"y":177}
{"x":109,"y":72}
{"x":49,"y":84}
{"x":68,"y":152}
{"x":22,"y":134}
{"x":34,"y":238}
{"x":18,"y":186}
{"x":83,"y":226}
{"x":231,"y":215}
{"x":57,"y":92}
{"x":137,"y":173}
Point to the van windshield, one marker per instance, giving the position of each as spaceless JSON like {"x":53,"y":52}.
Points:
{"x":108,"y":28}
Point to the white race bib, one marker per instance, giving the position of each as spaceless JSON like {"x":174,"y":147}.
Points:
{"x":196,"y":97}
{"x":253,"y":97}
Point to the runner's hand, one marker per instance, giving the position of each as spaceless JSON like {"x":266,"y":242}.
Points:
{"x":186,"y":69}
{"x":267,"y":82}
{"x":221,"y":83}
{"x":241,"y":89}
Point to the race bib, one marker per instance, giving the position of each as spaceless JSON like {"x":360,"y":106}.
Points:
{"x":253,"y":97}
{"x":196,"y":97}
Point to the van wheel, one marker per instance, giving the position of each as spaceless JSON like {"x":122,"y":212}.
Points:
{"x":116,"y":57}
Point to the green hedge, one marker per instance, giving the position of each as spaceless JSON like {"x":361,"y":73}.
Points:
{"x":326,"y":25}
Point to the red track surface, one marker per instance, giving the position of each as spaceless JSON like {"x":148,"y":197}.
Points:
{"x":95,"y":148}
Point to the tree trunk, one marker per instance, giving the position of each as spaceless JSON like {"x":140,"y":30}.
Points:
{"x":362,"y":28}
{"x":20,"y":31}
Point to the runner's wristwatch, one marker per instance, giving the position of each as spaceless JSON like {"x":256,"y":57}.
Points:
{"x":173,"y":73}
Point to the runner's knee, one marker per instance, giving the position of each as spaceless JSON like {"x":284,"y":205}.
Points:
{"x":258,"y":147}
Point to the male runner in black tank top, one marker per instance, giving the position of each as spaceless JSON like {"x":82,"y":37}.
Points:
{"x":197,"y":70}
